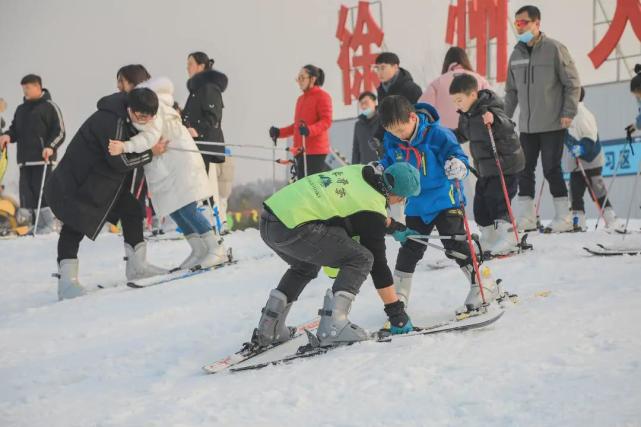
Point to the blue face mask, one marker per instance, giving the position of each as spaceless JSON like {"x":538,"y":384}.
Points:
{"x":367,"y":113}
{"x":525,"y":37}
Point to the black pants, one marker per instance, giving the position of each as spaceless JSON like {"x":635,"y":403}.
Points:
{"x":489,"y":201}
{"x":308,"y":247}
{"x":315,"y":164}
{"x":550,"y":145}
{"x":126,"y":208}
{"x":448,"y":222}
{"x":30,"y":183}
{"x":578,"y":186}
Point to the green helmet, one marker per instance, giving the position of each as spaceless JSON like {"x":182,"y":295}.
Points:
{"x":402,"y":179}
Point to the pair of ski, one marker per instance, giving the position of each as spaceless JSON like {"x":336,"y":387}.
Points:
{"x":174,"y":275}
{"x":235,"y":362}
{"x":604,"y":250}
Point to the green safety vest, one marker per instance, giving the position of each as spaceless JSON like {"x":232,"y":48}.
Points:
{"x":338,"y":193}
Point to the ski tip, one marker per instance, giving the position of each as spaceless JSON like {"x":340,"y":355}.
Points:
{"x":134,"y":285}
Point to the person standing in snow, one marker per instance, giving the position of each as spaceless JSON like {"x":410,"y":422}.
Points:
{"x":395,"y":80}
{"x":39,"y":130}
{"x":543,"y":81}
{"x":414,"y":136}
{"x":177,"y":179}
{"x":127,"y":78}
{"x":90,"y":187}
{"x":582,"y":145}
{"x":311,"y":223}
{"x":635,"y":88}
{"x":437,"y":94}
{"x":312,"y":120}
{"x":364,"y":129}
{"x":477,"y":109}
{"x":203,"y":115}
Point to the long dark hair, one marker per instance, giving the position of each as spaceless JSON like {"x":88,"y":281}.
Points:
{"x":133,"y":73}
{"x":317,"y":72}
{"x":458,"y":55}
{"x":201,"y":58}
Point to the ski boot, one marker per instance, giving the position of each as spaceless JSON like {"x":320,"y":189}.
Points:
{"x":271,"y":327}
{"x":137,"y":266}
{"x":578,"y":221}
{"x":612,"y":223}
{"x":198,"y":250}
{"x":335,"y":328}
{"x":488,"y":237}
{"x":68,"y":284}
{"x":505,"y":242}
{"x":403,"y":285}
{"x":492,"y":291}
{"x":526,"y":221}
{"x":562,"y":221}
{"x":214,"y":253}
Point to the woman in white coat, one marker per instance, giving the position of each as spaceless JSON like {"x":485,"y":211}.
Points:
{"x":177,"y":180}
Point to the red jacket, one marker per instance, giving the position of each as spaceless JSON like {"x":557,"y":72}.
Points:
{"x":313,"y":107}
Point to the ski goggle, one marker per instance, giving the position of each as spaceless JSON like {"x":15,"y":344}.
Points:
{"x":520,"y":23}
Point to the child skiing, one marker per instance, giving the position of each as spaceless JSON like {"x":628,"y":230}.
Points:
{"x":477,"y":109}
{"x":310,"y":224}
{"x":177,"y":180}
{"x":583,"y":154}
{"x":414,"y":135}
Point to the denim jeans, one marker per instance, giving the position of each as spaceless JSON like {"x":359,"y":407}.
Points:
{"x":190,"y":220}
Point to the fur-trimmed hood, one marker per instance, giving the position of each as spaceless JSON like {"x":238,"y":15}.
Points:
{"x":207,"y":76}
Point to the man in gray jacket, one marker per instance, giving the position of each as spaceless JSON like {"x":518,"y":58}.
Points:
{"x":543,"y":81}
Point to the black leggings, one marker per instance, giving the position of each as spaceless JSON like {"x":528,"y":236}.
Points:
{"x":447,"y":222}
{"x":578,"y":187}
{"x":315,"y":164}
{"x":550,"y":146}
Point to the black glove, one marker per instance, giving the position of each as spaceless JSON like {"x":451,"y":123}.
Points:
{"x":303,"y":129}
{"x":395,"y":226}
{"x":400,"y":322}
{"x":274,"y":132}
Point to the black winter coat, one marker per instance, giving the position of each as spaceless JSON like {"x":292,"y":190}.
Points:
{"x":82,"y":190}
{"x":204,"y":111}
{"x":37,"y":124}
{"x":471,"y":128}
{"x":364,"y":131}
{"x":403,"y":85}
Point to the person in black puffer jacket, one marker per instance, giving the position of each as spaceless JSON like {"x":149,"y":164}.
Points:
{"x":477,"y":109}
{"x":203,"y":112}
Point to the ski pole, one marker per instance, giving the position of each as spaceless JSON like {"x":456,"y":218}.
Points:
{"x":468,"y":234}
{"x":607,"y":192}
{"x":274,"y":140}
{"x":538,"y":205}
{"x":187,"y":150}
{"x":592,"y":193}
{"x":302,"y":123}
{"x":451,"y":252}
{"x":42,"y":186}
{"x":632,"y":199}
{"x":505,"y":195}
{"x":222,"y":144}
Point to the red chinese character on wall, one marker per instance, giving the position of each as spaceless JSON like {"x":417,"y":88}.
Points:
{"x":356,"y":57}
{"x":488,"y":20}
{"x":626,"y":10}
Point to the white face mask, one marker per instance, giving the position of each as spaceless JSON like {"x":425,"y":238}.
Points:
{"x":368,"y":113}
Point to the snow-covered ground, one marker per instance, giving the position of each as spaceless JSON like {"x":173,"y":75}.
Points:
{"x":569,"y":354}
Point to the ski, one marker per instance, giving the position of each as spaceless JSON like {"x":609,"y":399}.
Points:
{"x":601,"y":251}
{"x":451,"y":325}
{"x":249,"y":351}
{"x":176,"y":275}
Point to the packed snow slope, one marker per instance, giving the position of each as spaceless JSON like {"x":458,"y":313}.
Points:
{"x":569,"y":354}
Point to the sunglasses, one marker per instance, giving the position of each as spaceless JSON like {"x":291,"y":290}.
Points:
{"x":520,"y":23}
